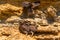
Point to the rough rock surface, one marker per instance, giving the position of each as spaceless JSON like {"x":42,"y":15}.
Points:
{"x":10,"y":21}
{"x":8,"y":10}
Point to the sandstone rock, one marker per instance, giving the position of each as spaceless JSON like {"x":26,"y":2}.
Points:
{"x":7,"y":10}
{"x":27,"y":10}
{"x":38,"y":13}
{"x":48,"y":29}
{"x":38,"y":20}
{"x":51,"y":14}
{"x":8,"y":32}
{"x":27,"y":27}
{"x":10,"y":8}
{"x":50,"y":37}
{"x":13,"y":19}
{"x":35,"y":5}
{"x":55,"y":24}
{"x":0,"y":21}
{"x":58,"y":19}
{"x":29,"y":19}
{"x":3,"y":38}
{"x":40,"y":17}
{"x":44,"y":22}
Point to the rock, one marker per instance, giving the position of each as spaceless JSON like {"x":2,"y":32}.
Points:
{"x":51,"y":13}
{"x":38,"y":20}
{"x":27,"y":10}
{"x":0,"y":21}
{"x":29,"y":19}
{"x":38,"y":13}
{"x":3,"y":38}
{"x":58,"y":19}
{"x":48,"y":29}
{"x":56,"y":24}
{"x":13,"y":19}
{"x":8,"y":10}
{"x":26,"y":4}
{"x":44,"y":23}
{"x":41,"y":17}
{"x":27,"y":28}
{"x":35,"y":5}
